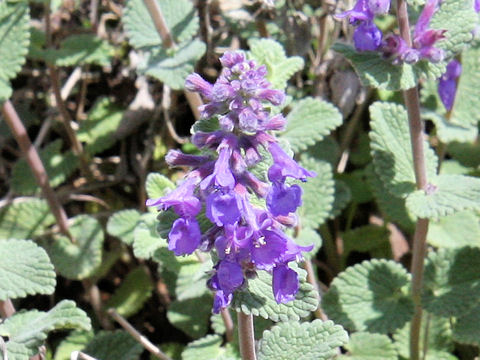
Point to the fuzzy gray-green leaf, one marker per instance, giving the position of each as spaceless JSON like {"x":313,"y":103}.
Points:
{"x":370,"y":296}
{"x":25,"y":220}
{"x":445,"y":195}
{"x":257,"y":299}
{"x":316,"y":340}
{"x":80,"y":259}
{"x":392,"y":151}
{"x":25,"y":269}
{"x":310,"y":121}
{"x":452,"y":281}
{"x":271,"y":54}
{"x":367,"y":346}
{"x":457,"y":230}
{"x":122,"y":225}
{"x":114,"y":345}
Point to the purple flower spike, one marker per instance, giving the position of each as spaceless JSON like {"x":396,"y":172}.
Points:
{"x":185,"y":236}
{"x":284,"y":166}
{"x":282,"y":199}
{"x":379,"y":7}
{"x":268,"y":250}
{"x":222,"y":209}
{"x":447,"y":86}
{"x":367,"y":37}
{"x":285,"y":284}
{"x":196,"y":83}
{"x":476,"y":5}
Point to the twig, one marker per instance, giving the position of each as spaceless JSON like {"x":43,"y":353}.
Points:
{"x":64,"y":115}
{"x":3,"y":348}
{"x":246,"y":336}
{"x":80,"y":355}
{"x":421,"y":228}
{"x":71,"y":82}
{"x":20,"y":133}
{"x":193,"y":99}
{"x":166,"y":115}
{"x":137,"y":336}
{"x":312,"y":279}
{"x":6,"y":308}
{"x":228,"y":322}
{"x":96,"y":302}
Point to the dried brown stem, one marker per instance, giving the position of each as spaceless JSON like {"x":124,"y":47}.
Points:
{"x":6,"y":308}
{"x":312,"y":279}
{"x":33,"y":159}
{"x":421,"y":228}
{"x":155,"y":351}
{"x":246,"y":336}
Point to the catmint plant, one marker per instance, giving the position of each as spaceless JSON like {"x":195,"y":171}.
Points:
{"x":244,"y":236}
{"x":447,"y":84}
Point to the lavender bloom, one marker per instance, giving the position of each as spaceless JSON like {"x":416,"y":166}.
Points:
{"x":476,"y":5}
{"x":365,"y":11}
{"x":447,"y":86}
{"x":367,"y":37}
{"x":245,"y":237}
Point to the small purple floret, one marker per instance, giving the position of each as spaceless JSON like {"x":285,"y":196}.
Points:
{"x":367,"y":37}
{"x":285,"y":284}
{"x":447,"y":86}
{"x":184,"y":237}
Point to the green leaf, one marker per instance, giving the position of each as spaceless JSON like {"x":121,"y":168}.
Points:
{"x":5,"y":90}
{"x":173,"y":70}
{"x":157,"y":185}
{"x":114,"y":345}
{"x":392,"y":151}
{"x":80,"y":50}
{"x":25,"y":269}
{"x":392,"y":207}
{"x":459,"y":19}
{"x":135,"y":290}
{"x":370,"y":296}
{"x":57,"y":165}
{"x":14,"y":40}
{"x":357,"y":183}
{"x":467,"y":154}
{"x":327,"y":149}
{"x":146,"y":239}
{"x":452,"y":281}
{"x":25,"y":220}
{"x":310,"y":121}
{"x":75,"y":341}
{"x":178,"y":14}
{"x":341,"y":198}
{"x":445,"y":195}
{"x":280,"y":68}
{"x":316,"y":340}
{"x":80,"y":259}
{"x":98,"y":130}
{"x":205,"y":125}
{"x":439,"y":342}
{"x":122,"y":225}
{"x":191,"y":315}
{"x":259,"y":324}
{"x":366,"y":346}
{"x":370,"y":239}
{"x":27,"y":330}
{"x":318,"y":193}
{"x":449,"y":131}
{"x":209,"y":348}
{"x":257,"y":299}
{"x":377,"y":72}
{"x":191,"y":280}
{"x":457,"y":230}
{"x":466,"y":329}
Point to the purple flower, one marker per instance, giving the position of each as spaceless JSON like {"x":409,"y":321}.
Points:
{"x":285,"y":284}
{"x":284,"y":166}
{"x":184,"y":237}
{"x":182,"y":199}
{"x":367,"y":37}
{"x":379,"y":6}
{"x":365,"y":11}
{"x":222,"y":175}
{"x":476,"y":5}
{"x":222,"y":208}
{"x":447,"y":86}
{"x":282,"y":199}
{"x":268,"y":249}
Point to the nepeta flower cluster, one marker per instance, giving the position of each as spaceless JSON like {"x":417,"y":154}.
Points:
{"x":245,"y":237}
{"x":368,"y":37}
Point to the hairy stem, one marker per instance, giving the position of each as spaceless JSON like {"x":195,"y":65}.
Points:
{"x":20,"y":133}
{"x":6,"y":308}
{"x":193,"y":99}
{"x":246,"y":337}
{"x":228,"y":322}
{"x":421,"y":228}
{"x":312,"y":279}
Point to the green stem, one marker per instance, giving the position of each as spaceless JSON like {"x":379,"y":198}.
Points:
{"x":421,"y":228}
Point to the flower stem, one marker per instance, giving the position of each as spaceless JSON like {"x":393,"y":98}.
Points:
{"x":20,"y":133}
{"x":246,"y":337}
{"x":421,"y":228}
